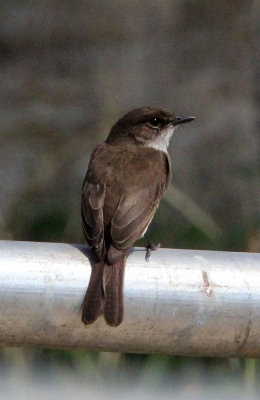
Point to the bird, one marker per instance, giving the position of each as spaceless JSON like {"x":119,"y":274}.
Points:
{"x":127,"y":176}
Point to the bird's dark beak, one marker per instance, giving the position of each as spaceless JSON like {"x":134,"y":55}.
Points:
{"x":182,"y":120}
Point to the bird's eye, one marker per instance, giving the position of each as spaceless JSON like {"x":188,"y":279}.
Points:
{"x":154,"y":122}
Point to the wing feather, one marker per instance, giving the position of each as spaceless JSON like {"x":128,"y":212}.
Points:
{"x":92,"y":203}
{"x":128,"y":223}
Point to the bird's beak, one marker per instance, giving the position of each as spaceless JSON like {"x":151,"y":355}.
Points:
{"x":182,"y":120}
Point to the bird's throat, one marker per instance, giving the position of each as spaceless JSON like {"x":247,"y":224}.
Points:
{"x":162,"y":141}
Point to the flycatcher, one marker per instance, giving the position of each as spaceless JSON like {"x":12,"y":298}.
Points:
{"x":126,"y":178}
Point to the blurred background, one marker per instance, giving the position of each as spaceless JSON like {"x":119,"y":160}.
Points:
{"x":68,"y":71}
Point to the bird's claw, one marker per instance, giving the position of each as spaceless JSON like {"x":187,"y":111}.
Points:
{"x":149,"y":248}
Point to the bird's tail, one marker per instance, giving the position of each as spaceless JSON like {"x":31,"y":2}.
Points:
{"x":94,"y":298}
{"x":113,"y":282}
{"x":106,"y":288}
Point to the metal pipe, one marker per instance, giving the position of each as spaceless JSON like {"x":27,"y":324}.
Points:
{"x":185,"y":302}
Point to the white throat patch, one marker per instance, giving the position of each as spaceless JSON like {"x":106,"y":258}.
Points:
{"x":162,"y":141}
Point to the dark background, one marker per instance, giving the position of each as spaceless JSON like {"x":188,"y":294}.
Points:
{"x":69,"y":69}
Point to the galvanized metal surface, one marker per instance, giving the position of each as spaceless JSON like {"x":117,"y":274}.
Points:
{"x":184,"y":302}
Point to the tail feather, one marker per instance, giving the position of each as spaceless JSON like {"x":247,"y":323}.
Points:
{"x":113,"y":282}
{"x":94,"y":298}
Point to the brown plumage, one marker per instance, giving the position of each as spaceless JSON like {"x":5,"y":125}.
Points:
{"x":121,"y":192}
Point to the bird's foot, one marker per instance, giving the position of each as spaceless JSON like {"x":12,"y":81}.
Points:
{"x":149,"y":248}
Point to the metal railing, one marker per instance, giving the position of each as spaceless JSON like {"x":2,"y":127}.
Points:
{"x":185,"y":302}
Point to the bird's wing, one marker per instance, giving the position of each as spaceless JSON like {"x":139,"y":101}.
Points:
{"x":136,"y":209}
{"x":134,"y":213}
{"x":92,"y":203}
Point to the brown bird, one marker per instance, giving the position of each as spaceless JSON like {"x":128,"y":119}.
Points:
{"x":126,"y":178}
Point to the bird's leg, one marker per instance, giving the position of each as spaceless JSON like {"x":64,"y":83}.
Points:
{"x":150,"y":246}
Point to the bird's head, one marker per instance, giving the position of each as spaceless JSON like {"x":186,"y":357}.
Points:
{"x":149,"y":126}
